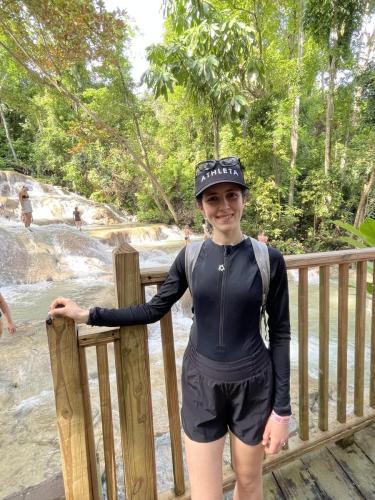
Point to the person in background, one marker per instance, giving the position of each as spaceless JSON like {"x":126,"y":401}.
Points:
{"x":4,"y":309}
{"x":77,"y":218}
{"x":187,"y":233}
{"x":262,"y":237}
{"x":230,"y":381}
{"x":26,"y":208}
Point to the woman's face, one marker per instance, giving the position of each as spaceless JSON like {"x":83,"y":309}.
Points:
{"x":222,"y":205}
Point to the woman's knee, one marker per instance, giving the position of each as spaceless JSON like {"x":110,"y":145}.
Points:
{"x":249,"y":480}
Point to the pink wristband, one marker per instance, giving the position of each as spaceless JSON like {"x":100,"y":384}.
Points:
{"x":279,"y":418}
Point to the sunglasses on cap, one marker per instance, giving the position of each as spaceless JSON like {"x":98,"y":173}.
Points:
{"x":228,"y":161}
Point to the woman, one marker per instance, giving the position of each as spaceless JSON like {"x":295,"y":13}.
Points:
{"x":26,"y":208}
{"x":77,"y":218}
{"x":230,"y":380}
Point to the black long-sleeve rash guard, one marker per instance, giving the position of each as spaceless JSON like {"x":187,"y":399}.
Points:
{"x":227,"y":291}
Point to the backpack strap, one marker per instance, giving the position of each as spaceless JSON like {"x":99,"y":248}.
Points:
{"x":263,"y":260}
{"x":192,"y":251}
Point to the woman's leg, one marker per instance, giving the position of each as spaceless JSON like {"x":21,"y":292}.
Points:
{"x":247,"y":464}
{"x":205,"y":465}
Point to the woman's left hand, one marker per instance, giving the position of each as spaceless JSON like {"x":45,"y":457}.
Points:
{"x":275,"y":435}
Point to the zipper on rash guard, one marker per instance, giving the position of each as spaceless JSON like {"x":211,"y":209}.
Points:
{"x":221,"y":345}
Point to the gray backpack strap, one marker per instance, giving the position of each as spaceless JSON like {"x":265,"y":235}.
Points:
{"x":191,"y":254}
{"x":263,"y":260}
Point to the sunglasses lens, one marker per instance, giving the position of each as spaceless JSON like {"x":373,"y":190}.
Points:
{"x":203,"y":166}
{"x":230,"y":161}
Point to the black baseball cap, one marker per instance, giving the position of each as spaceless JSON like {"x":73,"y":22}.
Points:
{"x":211,"y":172}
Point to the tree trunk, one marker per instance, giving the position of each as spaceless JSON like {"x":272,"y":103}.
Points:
{"x":295,"y":109}
{"x":140,"y":139}
{"x":216,"y":133}
{"x":366,"y":43}
{"x":329,"y":113}
{"x":41,"y":75}
{"x":367,"y":186}
{"x":7,"y":134}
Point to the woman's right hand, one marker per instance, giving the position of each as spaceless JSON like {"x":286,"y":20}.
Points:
{"x":63,"y":307}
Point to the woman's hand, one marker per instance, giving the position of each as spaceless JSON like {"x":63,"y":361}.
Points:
{"x":11,"y":327}
{"x":275,"y":435}
{"x":62,"y":307}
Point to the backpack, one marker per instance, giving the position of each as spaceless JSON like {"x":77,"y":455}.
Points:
{"x":262,"y":259}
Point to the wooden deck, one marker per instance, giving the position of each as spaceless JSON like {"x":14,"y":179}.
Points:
{"x":332,"y":472}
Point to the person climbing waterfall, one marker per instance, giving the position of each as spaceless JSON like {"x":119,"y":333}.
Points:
{"x":77,"y":218}
{"x":26,"y":208}
{"x":230,"y":379}
{"x":5,"y":310}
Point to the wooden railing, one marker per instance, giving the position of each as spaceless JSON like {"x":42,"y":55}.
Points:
{"x":72,"y":394}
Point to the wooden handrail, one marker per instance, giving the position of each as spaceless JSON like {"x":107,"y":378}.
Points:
{"x":68,"y":362}
{"x":156,"y":275}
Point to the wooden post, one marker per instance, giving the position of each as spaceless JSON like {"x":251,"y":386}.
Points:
{"x":342,"y":342}
{"x":372,"y":359}
{"x":303,"y":359}
{"x":65,"y":367}
{"x":323,"y":346}
{"x":172,"y":402}
{"x":133,"y":383}
{"x":107,"y":423}
{"x":360,"y":338}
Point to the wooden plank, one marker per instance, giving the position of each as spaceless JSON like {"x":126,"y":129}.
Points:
{"x":365,"y":439}
{"x":357,"y":466}
{"x":153,"y":276}
{"x":303,"y":354}
{"x":298,"y":449}
{"x":134,"y":388}
{"x":271,"y":490}
{"x":329,"y":476}
{"x":169,"y":360}
{"x":360,"y":316}
{"x":342,"y":342}
{"x":296,"y":482}
{"x":63,"y":348}
{"x":98,"y":335}
{"x":372,"y":355}
{"x":107,"y":424}
{"x":89,"y":427}
{"x":323,"y":346}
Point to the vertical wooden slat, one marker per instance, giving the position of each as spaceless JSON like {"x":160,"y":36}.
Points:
{"x":107,"y":424}
{"x":360,"y":312}
{"x":342,"y":342}
{"x":65,"y":367}
{"x":133,"y":384}
{"x":323,"y":346}
{"x":303,"y":354}
{"x":172,"y":401}
{"x":91,"y":452}
{"x":372,"y":359}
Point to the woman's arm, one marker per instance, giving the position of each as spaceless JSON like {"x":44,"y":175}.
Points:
{"x":171,"y":290}
{"x":6,"y":311}
{"x":279,"y":331}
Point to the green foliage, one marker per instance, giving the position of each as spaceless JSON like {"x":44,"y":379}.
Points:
{"x":224,"y":82}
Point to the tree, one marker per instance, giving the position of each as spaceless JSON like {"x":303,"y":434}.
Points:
{"x":332,"y":23}
{"x":211,"y":58}
{"x":50,"y":43}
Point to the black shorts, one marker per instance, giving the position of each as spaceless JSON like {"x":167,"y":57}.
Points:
{"x":217,"y":396}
